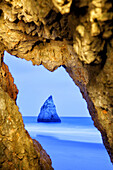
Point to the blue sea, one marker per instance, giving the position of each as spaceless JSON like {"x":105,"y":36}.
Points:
{"x":71,"y":128}
{"x":73,"y":144}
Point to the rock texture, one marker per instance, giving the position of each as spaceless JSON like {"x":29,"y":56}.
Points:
{"x":48,"y":112}
{"x":17,"y":149}
{"x":75,"y":34}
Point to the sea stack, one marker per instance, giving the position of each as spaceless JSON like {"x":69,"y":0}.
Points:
{"x":48,"y":112}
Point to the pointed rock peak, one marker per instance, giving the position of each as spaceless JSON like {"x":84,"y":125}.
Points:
{"x":49,"y":100}
{"x":48,"y":112}
{"x":50,"y":97}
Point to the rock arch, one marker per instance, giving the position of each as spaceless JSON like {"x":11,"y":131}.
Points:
{"x":80,"y":38}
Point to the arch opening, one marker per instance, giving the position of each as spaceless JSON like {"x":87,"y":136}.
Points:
{"x":63,"y":82}
{"x":37,"y":83}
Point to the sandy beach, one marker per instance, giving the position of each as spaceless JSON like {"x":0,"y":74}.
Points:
{"x":74,"y":144}
{"x":71,"y":155}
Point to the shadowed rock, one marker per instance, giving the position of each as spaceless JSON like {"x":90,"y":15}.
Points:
{"x":48,"y":112}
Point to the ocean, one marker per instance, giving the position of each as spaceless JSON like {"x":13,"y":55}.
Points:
{"x":71,"y":128}
{"x":73,"y":144}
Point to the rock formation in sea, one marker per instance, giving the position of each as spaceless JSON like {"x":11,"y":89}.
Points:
{"x":48,"y":112}
{"x":75,"y":34}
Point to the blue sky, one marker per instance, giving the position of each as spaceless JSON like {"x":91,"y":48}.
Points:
{"x":36,"y":84}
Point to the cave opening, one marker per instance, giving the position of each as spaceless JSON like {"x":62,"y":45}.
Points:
{"x":69,"y":102}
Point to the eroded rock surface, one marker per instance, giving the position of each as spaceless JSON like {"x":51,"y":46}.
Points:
{"x":76,"y":34}
{"x":17,"y":149}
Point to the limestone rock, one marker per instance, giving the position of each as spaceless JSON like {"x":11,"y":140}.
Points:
{"x":75,"y":34}
{"x":48,"y":112}
{"x":63,"y":5}
{"x":17,"y":149}
{"x":7,"y":82}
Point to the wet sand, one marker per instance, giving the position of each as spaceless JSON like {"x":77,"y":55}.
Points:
{"x":71,"y":155}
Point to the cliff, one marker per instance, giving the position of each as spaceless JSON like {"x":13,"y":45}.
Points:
{"x":77,"y":34}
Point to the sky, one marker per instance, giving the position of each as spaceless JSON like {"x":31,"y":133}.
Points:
{"x":36,"y":84}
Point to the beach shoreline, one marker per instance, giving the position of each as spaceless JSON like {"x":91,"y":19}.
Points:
{"x":74,"y":144}
{"x":71,"y":155}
